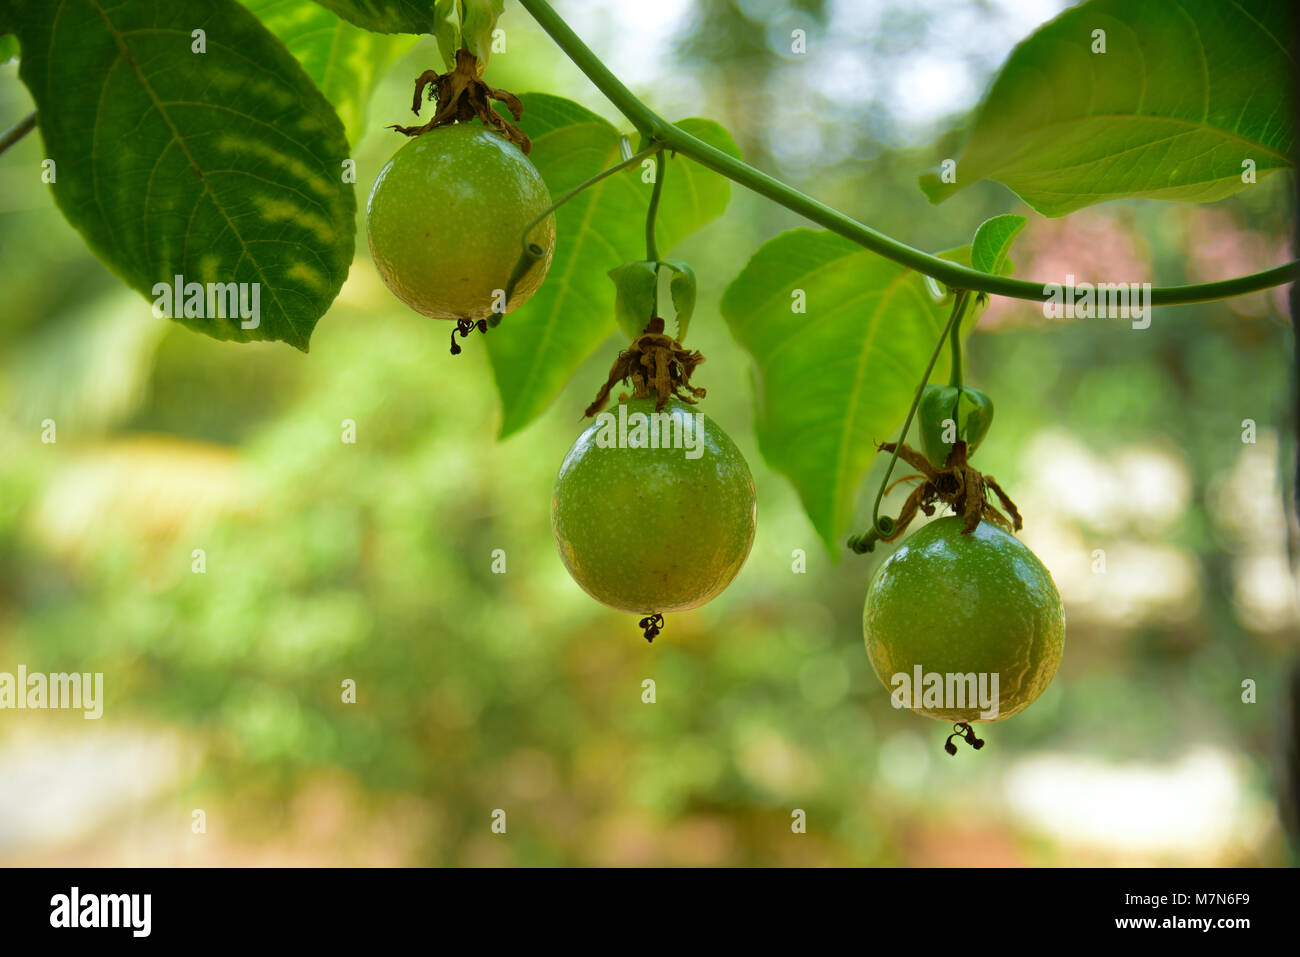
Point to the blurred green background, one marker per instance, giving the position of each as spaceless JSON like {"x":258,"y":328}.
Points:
{"x":476,"y":691}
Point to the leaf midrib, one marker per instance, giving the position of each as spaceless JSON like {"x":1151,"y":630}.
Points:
{"x":125,"y":53}
{"x":1199,"y":125}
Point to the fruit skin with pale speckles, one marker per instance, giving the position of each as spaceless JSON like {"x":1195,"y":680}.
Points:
{"x":648,"y":530}
{"x":959,"y":604}
{"x":445,"y":219}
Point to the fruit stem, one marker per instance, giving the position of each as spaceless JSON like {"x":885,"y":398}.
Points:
{"x":651,"y":243}
{"x":954,"y":376}
{"x":884,"y":527}
{"x":950,"y":273}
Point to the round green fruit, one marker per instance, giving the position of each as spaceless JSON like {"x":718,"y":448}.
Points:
{"x":953,"y":604}
{"x":969,"y":410}
{"x":651,"y":530}
{"x":445,"y":219}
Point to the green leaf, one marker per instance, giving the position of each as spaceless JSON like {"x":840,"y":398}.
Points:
{"x":386,"y":16}
{"x":346,"y":61}
{"x":992,"y":242}
{"x":221,"y":167}
{"x":447,"y":30}
{"x":634,"y":296}
{"x":537,"y":348}
{"x":8,"y":48}
{"x":1186,"y":92}
{"x":477,"y":24}
{"x":692,"y":195}
{"x":834,"y":380}
{"x":682,"y":288}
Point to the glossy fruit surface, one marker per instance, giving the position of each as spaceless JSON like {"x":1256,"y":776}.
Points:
{"x":957,"y":604}
{"x":969,"y":411}
{"x":445,"y":219}
{"x":645,"y":529}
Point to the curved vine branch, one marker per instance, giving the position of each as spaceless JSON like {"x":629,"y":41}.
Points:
{"x":954,"y":275}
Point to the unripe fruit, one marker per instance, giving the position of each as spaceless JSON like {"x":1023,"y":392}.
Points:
{"x":446,"y":217}
{"x":965,"y":604}
{"x":648,"y":530}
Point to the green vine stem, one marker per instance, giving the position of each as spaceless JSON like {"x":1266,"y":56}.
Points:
{"x":883,"y":527}
{"x":956,"y":276}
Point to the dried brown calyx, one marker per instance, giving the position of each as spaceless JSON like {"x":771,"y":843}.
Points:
{"x":461,"y":96}
{"x":957,"y":485}
{"x":655,"y":364}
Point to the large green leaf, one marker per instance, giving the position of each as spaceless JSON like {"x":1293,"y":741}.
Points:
{"x":538,"y":347}
{"x":221,"y":167}
{"x":386,"y":16}
{"x":8,"y":48}
{"x":833,"y":381}
{"x":1186,"y":92}
{"x":346,"y":61}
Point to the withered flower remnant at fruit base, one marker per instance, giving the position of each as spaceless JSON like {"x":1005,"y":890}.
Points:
{"x":958,"y":485}
{"x":462,"y":96}
{"x":655,"y":364}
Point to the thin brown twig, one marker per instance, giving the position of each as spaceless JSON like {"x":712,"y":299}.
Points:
{"x":18,"y":131}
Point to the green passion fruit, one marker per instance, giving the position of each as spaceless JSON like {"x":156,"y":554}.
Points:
{"x":952,"y":604}
{"x":653,"y":511}
{"x":446,"y":217}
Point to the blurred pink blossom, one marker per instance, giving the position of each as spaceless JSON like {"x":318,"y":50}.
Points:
{"x":1092,"y":246}
{"x":1219,"y":248}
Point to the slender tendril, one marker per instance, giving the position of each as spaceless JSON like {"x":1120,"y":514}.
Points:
{"x":18,"y":131}
{"x":952,"y":274}
{"x":533,"y":251}
{"x":586,"y":184}
{"x":882,"y":527}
